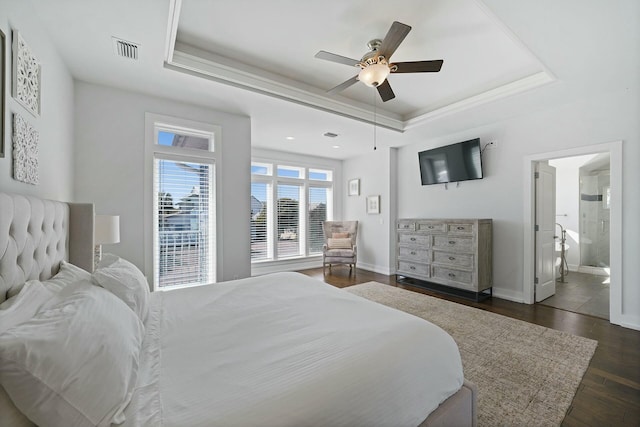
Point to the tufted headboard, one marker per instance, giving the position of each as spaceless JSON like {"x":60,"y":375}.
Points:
{"x":37,"y":234}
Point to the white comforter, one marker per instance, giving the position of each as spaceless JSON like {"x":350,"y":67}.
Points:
{"x":288,"y":350}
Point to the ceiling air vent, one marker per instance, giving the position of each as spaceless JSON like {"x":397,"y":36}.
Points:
{"x":330,"y":134}
{"x":125,"y":49}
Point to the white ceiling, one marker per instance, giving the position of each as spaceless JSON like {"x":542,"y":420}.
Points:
{"x":491,"y":51}
{"x":282,"y":37}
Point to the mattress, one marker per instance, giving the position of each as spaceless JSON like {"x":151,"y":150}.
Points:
{"x":288,"y":350}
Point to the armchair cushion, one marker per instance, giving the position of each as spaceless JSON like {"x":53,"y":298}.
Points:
{"x":339,"y":253}
{"x":343,"y":243}
{"x":339,"y":235}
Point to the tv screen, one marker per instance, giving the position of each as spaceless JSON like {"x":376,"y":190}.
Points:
{"x":451,"y":163}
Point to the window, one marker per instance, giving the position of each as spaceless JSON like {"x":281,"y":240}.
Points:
{"x":319,"y":200}
{"x":288,"y":209}
{"x":182,"y":204}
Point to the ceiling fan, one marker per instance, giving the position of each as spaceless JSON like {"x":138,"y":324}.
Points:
{"x":376,"y":66}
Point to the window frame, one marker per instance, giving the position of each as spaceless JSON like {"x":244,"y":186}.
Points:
{"x":155,"y":123}
{"x":305,"y":183}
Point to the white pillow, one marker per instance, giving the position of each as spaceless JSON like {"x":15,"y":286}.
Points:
{"x":125,"y":281}
{"x":67,"y":274}
{"x":25,"y":305}
{"x":75,"y":363}
{"x":13,"y":312}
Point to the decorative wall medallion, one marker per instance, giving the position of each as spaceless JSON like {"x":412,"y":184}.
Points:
{"x":26,"y":75}
{"x":2,"y":100}
{"x":25,"y":151}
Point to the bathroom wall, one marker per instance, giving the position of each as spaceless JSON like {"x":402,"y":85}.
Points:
{"x":568,"y":203}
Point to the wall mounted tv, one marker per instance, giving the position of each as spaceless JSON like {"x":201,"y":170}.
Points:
{"x":451,"y":163}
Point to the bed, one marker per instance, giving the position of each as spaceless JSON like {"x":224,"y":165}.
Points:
{"x":277,"y":350}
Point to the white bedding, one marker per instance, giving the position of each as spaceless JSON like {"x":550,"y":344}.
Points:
{"x":288,"y":350}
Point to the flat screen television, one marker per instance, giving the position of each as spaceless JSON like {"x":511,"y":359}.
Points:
{"x":451,"y":163}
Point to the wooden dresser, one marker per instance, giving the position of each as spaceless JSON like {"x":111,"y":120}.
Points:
{"x":456,"y":253}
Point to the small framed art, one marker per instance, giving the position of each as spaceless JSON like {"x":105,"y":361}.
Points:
{"x":373,"y":204}
{"x":354,"y":187}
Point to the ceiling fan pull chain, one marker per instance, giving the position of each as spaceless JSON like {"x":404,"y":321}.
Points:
{"x":374,"y":121}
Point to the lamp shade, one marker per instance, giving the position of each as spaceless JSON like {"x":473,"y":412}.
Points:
{"x":373,"y":75}
{"x":107,"y":229}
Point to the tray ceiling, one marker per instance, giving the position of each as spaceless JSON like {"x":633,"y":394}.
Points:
{"x":269,"y":47}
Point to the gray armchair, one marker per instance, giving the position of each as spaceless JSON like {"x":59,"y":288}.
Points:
{"x":340,"y":243}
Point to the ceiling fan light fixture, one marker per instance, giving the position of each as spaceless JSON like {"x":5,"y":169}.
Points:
{"x":374,"y":75}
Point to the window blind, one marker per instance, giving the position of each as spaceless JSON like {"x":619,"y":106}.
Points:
{"x":184,"y":235}
{"x":288,"y":220}
{"x":260,"y":192}
{"x":318,"y":197}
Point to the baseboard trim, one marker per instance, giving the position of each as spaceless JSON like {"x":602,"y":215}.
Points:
{"x":598,"y":271}
{"x":259,"y":269}
{"x":508,"y":294}
{"x":631,"y":322}
{"x":375,"y":268}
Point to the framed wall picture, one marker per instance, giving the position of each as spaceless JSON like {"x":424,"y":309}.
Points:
{"x":373,"y":204}
{"x":3,"y":71}
{"x":354,"y":187}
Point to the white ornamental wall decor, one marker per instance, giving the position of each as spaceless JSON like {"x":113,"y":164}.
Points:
{"x":26,"y":75}
{"x":25,"y":151}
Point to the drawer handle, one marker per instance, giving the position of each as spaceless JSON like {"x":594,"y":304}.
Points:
{"x":451,"y":258}
{"x":430,"y":227}
{"x":405,"y":226}
{"x":452,"y":275}
{"x":460,"y":228}
{"x":413,"y":252}
{"x":452,"y":242}
{"x":413,"y":239}
{"x":412,"y":267}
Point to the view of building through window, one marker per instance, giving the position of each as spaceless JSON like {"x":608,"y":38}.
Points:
{"x":184,"y":232}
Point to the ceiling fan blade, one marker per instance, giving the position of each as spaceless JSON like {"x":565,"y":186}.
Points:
{"x":385,"y":91}
{"x":392,"y":40}
{"x":419,"y":66}
{"x":343,"y":86}
{"x":328,"y":56}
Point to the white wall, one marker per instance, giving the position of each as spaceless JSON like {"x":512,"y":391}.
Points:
{"x":599,"y":119}
{"x":375,"y":170}
{"x":110,"y":138}
{"x":55,"y":124}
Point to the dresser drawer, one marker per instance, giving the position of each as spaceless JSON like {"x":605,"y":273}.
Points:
{"x":414,"y":239}
{"x":460,"y":228}
{"x":461,"y":278}
{"x":453,"y":243}
{"x":418,"y":254}
{"x":407,"y":225}
{"x":453,"y":259}
{"x":431,"y":227}
{"x":412,"y":269}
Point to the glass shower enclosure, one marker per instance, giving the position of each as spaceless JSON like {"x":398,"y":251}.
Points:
{"x":594,"y":210}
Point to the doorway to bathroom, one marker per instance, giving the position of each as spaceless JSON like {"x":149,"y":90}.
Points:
{"x":611,"y":196}
{"x":582,"y":234}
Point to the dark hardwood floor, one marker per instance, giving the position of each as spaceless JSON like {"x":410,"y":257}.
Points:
{"x":609,"y":394}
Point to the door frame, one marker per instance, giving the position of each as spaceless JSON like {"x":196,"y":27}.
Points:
{"x":615,"y":238}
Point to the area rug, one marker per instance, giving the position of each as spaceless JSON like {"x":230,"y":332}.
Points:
{"x":527,"y":375}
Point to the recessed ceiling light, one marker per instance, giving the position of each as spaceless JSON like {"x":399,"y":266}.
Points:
{"x":335,"y":146}
{"x":290,"y":138}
